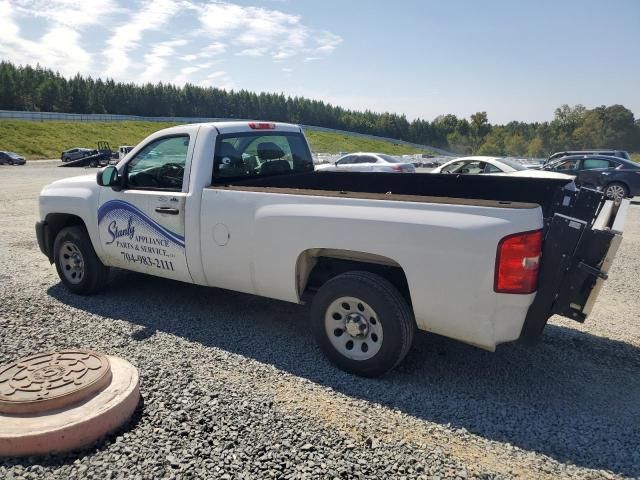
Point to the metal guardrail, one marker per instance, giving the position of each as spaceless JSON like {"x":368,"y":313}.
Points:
{"x":98,"y":117}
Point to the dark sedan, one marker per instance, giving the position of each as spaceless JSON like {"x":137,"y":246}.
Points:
{"x":11,"y":158}
{"x":617,"y":177}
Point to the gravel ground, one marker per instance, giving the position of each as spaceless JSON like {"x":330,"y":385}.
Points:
{"x":234,"y":386}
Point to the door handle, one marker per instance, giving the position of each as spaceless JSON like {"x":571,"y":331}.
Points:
{"x":168,"y":210}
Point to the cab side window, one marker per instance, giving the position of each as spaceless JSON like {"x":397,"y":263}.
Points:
{"x":159,"y":165}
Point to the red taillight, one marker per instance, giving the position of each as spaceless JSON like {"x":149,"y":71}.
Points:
{"x":396,"y":168}
{"x":262,"y":125}
{"x":517,"y":263}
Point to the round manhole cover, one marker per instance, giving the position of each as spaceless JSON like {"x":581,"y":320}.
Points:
{"x":52,"y":380}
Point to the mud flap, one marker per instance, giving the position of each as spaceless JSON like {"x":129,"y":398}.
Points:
{"x":577,"y":253}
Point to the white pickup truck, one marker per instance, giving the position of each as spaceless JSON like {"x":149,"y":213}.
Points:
{"x":238,"y":205}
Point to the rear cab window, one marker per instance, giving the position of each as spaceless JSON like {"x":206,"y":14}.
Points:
{"x":257,"y":154}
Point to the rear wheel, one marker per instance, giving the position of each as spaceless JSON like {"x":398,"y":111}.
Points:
{"x":76,"y":261}
{"x":362,"y":323}
{"x":616,"y":191}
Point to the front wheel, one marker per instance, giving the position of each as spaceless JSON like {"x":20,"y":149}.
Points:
{"x":616,"y":191}
{"x":76,"y":261}
{"x":362,"y":323}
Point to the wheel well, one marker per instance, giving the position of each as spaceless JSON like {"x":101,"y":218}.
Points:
{"x":316,"y":267}
{"x":55,"y":223}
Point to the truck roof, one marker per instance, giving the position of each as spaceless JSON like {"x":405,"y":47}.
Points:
{"x":253,"y":126}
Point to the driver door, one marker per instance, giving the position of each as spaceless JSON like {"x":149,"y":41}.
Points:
{"x":141,"y":226}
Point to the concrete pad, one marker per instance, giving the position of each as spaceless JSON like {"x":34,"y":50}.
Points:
{"x":77,"y":425}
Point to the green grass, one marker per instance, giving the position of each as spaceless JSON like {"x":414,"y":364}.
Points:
{"x":635,"y":157}
{"x":335,"y":142}
{"x":37,"y":140}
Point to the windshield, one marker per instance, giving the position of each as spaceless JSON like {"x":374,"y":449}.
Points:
{"x":513,"y":164}
{"x":388,"y":158}
{"x":13,"y":155}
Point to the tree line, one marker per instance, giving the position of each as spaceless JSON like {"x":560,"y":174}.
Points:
{"x":40,"y":89}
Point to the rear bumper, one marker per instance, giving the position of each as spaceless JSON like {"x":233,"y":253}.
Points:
{"x":42,"y":235}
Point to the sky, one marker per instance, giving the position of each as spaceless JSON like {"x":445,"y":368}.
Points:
{"x":516,"y":60}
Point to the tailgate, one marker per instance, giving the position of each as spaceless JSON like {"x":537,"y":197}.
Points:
{"x":580,"y":243}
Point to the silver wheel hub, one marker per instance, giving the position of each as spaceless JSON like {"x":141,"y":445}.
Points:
{"x":71,"y":262}
{"x":353,"y":328}
{"x":615,"y":192}
{"x":356,"y":325}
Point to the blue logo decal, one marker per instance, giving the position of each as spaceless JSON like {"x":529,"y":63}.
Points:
{"x":115,"y":233}
{"x":125,"y":211}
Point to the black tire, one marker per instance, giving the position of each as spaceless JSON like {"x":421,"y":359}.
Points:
{"x":620,"y":189}
{"x":94,"y":275}
{"x":393,"y":312}
{"x":10,"y":162}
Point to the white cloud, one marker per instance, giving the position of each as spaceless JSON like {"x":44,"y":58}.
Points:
{"x":326,"y":42}
{"x":158,"y":58}
{"x":152,"y":16}
{"x":59,"y":48}
{"x":252,"y":52}
{"x":211,"y":50}
{"x":283,"y":54}
{"x":260,"y":31}
{"x":154,"y":40}
{"x":218,"y":79}
{"x":216,"y":75}
{"x":185,"y":74}
{"x":74,"y":14}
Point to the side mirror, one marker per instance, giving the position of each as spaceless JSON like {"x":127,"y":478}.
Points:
{"x":108,"y":176}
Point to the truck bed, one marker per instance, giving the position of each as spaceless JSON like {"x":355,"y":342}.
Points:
{"x":498,"y":191}
{"x":580,"y":233}
{"x":380,"y":196}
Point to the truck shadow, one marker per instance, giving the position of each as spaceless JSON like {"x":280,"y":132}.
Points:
{"x":575,"y":397}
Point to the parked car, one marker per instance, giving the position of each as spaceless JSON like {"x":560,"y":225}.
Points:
{"x":430,"y":164}
{"x":11,"y":158}
{"x":493,"y":166}
{"x":609,"y":153}
{"x":368,"y":162}
{"x":616,"y":176}
{"x":349,"y":244}
{"x":76,"y":154}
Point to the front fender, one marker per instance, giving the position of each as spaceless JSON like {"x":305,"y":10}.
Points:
{"x":77,"y":196}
